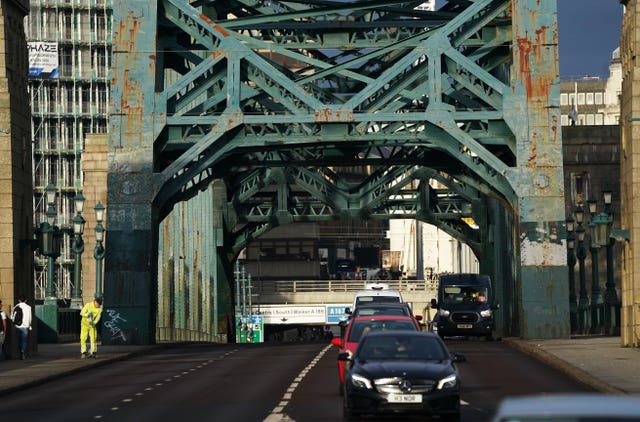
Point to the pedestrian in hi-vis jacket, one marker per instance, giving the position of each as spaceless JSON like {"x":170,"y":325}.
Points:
{"x":90,"y":316}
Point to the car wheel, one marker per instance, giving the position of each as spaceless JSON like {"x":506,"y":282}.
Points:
{"x":489,"y":337}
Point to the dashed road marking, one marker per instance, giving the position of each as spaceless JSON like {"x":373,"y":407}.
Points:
{"x":167,"y":380}
{"x":276,"y":414}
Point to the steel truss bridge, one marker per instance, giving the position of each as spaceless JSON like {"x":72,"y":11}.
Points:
{"x":230,"y":118}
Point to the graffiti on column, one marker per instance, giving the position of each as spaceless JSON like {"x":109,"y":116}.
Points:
{"x":112,"y":325}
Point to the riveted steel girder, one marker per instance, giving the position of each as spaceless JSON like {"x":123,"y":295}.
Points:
{"x":314,"y":110}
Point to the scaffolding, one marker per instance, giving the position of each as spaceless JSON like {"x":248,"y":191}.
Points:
{"x":66,"y":105}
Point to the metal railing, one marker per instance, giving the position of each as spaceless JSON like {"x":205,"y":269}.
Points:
{"x":68,"y":325}
{"x":599,"y":319}
{"x":330,"y":286}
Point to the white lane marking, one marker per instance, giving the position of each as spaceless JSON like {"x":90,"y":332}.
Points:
{"x":160,"y":384}
{"x":276,"y":414}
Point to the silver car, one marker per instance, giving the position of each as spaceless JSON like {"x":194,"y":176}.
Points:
{"x":588,"y":407}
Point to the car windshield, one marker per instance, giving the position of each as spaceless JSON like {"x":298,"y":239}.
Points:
{"x":401,"y":348}
{"x":360,"y":328}
{"x":388,"y":310}
{"x":464,"y":294}
{"x":361,"y":300}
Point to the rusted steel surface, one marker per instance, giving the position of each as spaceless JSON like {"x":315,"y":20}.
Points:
{"x":468,"y":93}
{"x":539,"y":177}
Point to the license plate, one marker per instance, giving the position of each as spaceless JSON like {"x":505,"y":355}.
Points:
{"x":404,"y":398}
{"x":465,"y":325}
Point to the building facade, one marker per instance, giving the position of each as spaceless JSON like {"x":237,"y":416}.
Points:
{"x":16,"y":226}
{"x":630,"y":172}
{"x":68,"y":102}
{"x":592,"y":100}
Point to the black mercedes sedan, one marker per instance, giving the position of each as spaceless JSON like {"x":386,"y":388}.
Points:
{"x":401,"y":372}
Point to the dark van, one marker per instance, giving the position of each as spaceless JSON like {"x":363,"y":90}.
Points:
{"x":464,"y":306}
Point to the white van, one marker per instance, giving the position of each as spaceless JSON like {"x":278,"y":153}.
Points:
{"x":375,"y":293}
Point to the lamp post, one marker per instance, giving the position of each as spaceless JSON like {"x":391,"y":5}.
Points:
{"x":78,"y":249}
{"x":50,"y":246}
{"x":594,"y":247}
{"x":610,"y":295}
{"x":581,"y":253}
{"x":98,"y":251}
{"x":571,"y":262}
{"x":598,"y":226}
{"x":238,"y":313}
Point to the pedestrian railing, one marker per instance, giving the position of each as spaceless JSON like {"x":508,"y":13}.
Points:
{"x":68,"y":325}
{"x":600,"y":318}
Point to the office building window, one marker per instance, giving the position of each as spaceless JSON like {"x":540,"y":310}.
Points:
{"x":564,"y":99}
{"x":580,"y":189}
{"x":581,"y":98}
{"x":599,"y":119}
{"x":564,"y":120}
{"x":589,"y":97}
{"x":598,"y":97}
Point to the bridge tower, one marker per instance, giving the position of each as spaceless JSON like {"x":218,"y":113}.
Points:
{"x":16,"y":188}
{"x":231,"y":118}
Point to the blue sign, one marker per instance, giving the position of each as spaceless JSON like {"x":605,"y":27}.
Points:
{"x":335,"y":313}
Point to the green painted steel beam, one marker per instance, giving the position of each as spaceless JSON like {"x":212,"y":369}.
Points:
{"x":277,"y":104}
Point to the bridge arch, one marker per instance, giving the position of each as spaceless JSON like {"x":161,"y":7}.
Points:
{"x":243,"y":115}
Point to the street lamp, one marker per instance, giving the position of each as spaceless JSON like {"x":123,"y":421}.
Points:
{"x":98,"y":251}
{"x":581,"y":253}
{"x":610,"y":295}
{"x":50,"y":246}
{"x":600,"y":234}
{"x":78,"y":249}
{"x":571,"y":262}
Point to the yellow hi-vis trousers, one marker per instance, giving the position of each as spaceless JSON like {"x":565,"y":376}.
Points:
{"x":92,"y":333}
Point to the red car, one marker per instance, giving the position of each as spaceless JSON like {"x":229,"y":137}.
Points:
{"x":360,"y":325}
{"x":377,"y":309}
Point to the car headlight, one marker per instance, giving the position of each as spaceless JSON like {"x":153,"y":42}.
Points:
{"x":448,"y":382}
{"x":360,"y":381}
{"x":486,"y":313}
{"x":443,"y":312}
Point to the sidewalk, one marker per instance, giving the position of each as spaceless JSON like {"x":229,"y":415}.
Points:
{"x":599,"y":362}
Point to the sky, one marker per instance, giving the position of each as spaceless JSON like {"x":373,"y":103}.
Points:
{"x":588,"y":32}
